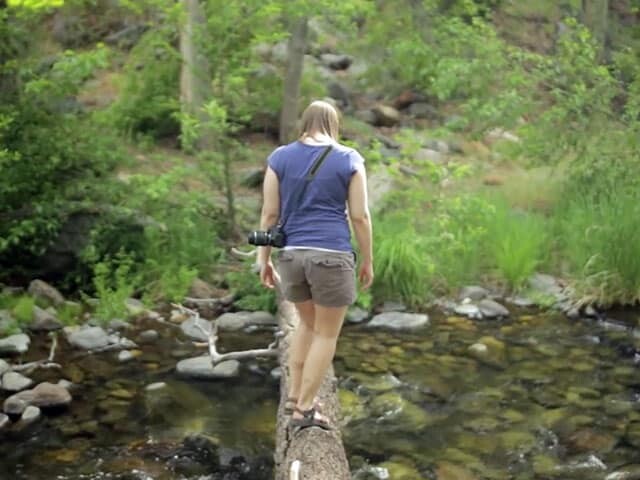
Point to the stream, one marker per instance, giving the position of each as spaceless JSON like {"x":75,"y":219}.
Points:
{"x":535,"y":396}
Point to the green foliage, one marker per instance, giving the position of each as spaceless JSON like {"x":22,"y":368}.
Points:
{"x":250,"y":292}
{"x":148,"y":103}
{"x":23,"y":309}
{"x":601,"y":239}
{"x":114,"y":283}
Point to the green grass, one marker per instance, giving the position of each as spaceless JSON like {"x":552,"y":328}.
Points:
{"x":23,"y":309}
{"x":601,"y":241}
{"x":516,"y":244}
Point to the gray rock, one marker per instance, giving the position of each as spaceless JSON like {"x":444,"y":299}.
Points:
{"x":340,"y":92}
{"x":48,"y":394}
{"x":438,"y":145}
{"x":42,"y":290}
{"x":15,"y":382}
{"x":545,"y":284}
{"x":118,"y":324}
{"x":369,"y":472}
{"x":492,"y":309}
{"x":125,"y":356}
{"x":240,"y":320}
{"x":399,"y":320}
{"x":44,"y":321}
{"x":155,"y":386}
{"x":4,"y":367}
{"x":366,"y":116}
{"x":522,"y":302}
{"x":385,"y":116}
{"x":148,"y":336}
{"x":473,"y":292}
{"x":30,"y":415}
{"x":66,"y":384}
{"x":195,"y":330}
{"x":430,"y":156}
{"x":590,"y":311}
{"x":388,"y":142}
{"x":134,"y":306}
{"x":336,"y":62}
{"x":393,"y":307}
{"x":90,"y":338}
{"x":4,"y":421}
{"x":15,"y":404}
{"x":276,"y":373}
{"x":201,"y":289}
{"x":15,"y":344}
{"x":125,"y":343}
{"x":423,"y":110}
{"x":279,"y":52}
{"x":628,"y":472}
{"x":252,"y":179}
{"x":356,"y":315}
{"x":201,"y":367}
{"x":468,"y":310}
{"x":573,"y":313}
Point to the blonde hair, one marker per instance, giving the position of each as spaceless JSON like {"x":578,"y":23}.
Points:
{"x":320,"y":117}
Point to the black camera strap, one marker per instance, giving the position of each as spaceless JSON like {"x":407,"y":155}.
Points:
{"x":312,"y":173}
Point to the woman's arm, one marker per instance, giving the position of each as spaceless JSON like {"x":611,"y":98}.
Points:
{"x":270,"y":210}
{"x":361,"y":221}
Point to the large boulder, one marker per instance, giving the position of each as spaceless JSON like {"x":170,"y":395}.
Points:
{"x":385,"y":116}
{"x":44,"y":321}
{"x":42,"y":290}
{"x":50,"y":395}
{"x":240,"y":320}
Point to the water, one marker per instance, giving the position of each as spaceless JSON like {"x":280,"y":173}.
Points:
{"x":534,"y":397}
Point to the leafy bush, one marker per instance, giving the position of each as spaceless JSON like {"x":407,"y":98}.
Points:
{"x":114,"y":283}
{"x":23,"y":309}
{"x":250,"y":292}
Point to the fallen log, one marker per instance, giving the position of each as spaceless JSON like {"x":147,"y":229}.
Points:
{"x":311,"y":453}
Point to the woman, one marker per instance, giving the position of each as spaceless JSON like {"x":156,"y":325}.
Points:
{"x":317,"y":264}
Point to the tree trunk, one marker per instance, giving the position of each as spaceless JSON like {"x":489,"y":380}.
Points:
{"x":320,"y":453}
{"x":595,"y":15}
{"x":295,"y":61}
{"x":194,"y":76}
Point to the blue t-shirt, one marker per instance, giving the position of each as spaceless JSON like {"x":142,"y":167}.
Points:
{"x":320,"y":220}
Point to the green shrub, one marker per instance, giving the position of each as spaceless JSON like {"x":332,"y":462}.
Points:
{"x":601,"y":240}
{"x":23,"y":310}
{"x":251,"y":295}
{"x":114,"y":283}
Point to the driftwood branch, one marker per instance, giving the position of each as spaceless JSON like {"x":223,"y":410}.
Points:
{"x":216,"y":357}
{"x":45,"y":363}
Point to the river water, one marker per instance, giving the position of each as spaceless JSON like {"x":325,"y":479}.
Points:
{"x":533,"y":397}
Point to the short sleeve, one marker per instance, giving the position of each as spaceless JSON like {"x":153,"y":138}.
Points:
{"x":356,"y":162}
{"x":274,"y":160}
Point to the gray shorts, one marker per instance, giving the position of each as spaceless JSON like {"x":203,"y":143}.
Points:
{"x":327,"y":278}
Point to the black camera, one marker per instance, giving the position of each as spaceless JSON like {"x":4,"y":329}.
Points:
{"x":273,"y":237}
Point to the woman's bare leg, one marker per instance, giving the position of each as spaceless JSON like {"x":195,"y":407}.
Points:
{"x":302,"y":337}
{"x":327,"y":326}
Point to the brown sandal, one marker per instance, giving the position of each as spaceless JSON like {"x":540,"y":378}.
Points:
{"x":309,"y":419}
{"x":291,"y":402}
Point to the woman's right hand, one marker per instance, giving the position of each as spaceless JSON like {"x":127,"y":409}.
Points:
{"x":365,"y":274}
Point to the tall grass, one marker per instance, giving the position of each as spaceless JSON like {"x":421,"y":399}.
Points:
{"x":403,"y":266}
{"x":601,"y":241}
{"x":517,"y":243}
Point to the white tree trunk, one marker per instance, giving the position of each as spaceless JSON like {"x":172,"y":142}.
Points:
{"x":295,"y":61}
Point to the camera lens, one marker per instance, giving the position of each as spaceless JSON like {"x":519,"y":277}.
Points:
{"x":259,"y":238}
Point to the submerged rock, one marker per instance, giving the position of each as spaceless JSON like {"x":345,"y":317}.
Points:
{"x":90,"y":338}
{"x":450,"y":471}
{"x":399,"y":320}
{"x":201,"y":367}
{"x":490,"y":351}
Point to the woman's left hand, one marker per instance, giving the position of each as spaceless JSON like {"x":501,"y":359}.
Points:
{"x":268,"y":275}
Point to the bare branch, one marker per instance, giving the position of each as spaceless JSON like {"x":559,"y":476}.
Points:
{"x":212,"y":334}
{"x":241,"y":254}
{"x":46,"y":363}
